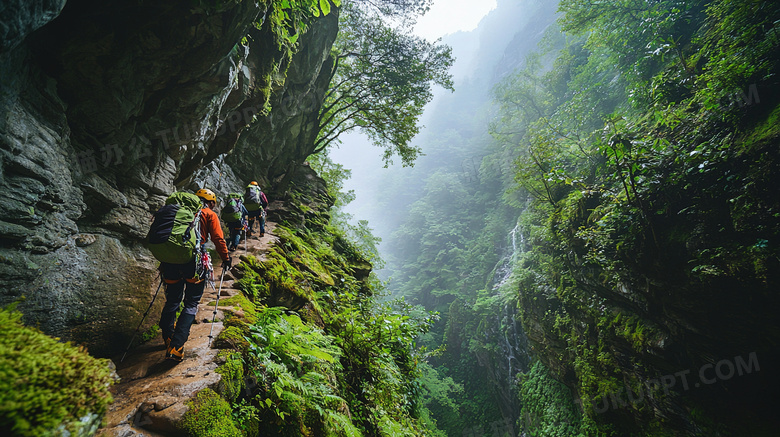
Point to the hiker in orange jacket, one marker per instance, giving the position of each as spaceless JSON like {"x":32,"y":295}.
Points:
{"x":176,"y":276}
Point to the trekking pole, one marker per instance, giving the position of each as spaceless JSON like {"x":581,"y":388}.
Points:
{"x":142,"y":322}
{"x":222,"y":276}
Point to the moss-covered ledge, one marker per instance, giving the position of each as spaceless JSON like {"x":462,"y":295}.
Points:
{"x":48,"y":387}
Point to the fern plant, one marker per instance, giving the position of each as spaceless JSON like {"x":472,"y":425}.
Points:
{"x":295,"y":365}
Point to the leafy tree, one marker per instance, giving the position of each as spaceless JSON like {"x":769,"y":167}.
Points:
{"x":551,"y":133}
{"x":292,"y":17}
{"x":382,"y":79}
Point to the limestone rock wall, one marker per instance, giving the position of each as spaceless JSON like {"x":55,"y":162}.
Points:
{"x":106,"y":109}
{"x":284,"y":138}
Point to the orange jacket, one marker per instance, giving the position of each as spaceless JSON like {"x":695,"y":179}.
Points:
{"x":209,"y":224}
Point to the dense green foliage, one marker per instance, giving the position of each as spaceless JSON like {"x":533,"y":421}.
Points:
{"x":297,"y":365}
{"x":451,"y":249}
{"x":547,"y":407}
{"x":290,"y":18}
{"x":645,"y":149}
{"x":646,"y":133}
{"x":49,"y":387}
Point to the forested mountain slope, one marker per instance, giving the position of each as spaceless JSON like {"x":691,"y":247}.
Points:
{"x":446,"y":227}
{"x":636,"y":152}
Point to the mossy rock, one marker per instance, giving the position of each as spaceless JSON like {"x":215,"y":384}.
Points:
{"x":273,"y":278}
{"x":769,"y":129}
{"x":311,"y":264}
{"x":232,"y":337}
{"x":248,"y":263}
{"x":47,"y":385}
{"x":239,"y":301}
{"x":253,"y":286}
{"x":232,"y":372}
{"x":361,"y":269}
{"x":209,"y":415}
{"x":305,"y":255}
{"x":288,"y":286}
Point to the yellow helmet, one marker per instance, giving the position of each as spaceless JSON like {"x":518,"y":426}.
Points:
{"x":253,"y":183}
{"x":206,"y":194}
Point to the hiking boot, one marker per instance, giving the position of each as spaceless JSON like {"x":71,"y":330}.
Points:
{"x":174,"y":353}
{"x":262,"y":234}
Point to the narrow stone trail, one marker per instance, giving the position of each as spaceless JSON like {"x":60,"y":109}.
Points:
{"x":152,"y":393}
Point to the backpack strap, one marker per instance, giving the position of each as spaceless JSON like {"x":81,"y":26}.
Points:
{"x":195,"y":224}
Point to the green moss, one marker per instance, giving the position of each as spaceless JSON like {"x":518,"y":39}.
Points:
{"x":45,"y":384}
{"x":284,"y":278}
{"x":239,"y":301}
{"x":768,"y":129}
{"x":232,"y":376}
{"x":232,"y":337}
{"x":209,"y":415}
{"x":293,"y":273}
{"x":305,"y":255}
{"x":250,"y":281}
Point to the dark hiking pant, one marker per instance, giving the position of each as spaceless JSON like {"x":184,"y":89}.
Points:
{"x":258,"y":214}
{"x":235,"y":233}
{"x":182,"y":286}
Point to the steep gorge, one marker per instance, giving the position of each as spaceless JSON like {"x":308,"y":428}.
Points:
{"x":109,"y":106}
{"x":642,"y":172}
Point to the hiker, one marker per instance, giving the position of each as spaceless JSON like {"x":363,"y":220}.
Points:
{"x":188,"y":280}
{"x":256,"y":202}
{"x":235,"y":215}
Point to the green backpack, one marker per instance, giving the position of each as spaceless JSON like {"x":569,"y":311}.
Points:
{"x":231,"y":212}
{"x":174,"y":236}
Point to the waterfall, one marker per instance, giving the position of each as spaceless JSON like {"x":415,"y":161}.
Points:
{"x":503,"y":272}
{"x":504,"y":330}
{"x":514,"y":343}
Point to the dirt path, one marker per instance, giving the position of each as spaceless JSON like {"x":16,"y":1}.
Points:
{"x":152,"y":393}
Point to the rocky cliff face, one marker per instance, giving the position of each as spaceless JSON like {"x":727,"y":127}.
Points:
{"x":283,"y":139}
{"x":106,"y":109}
